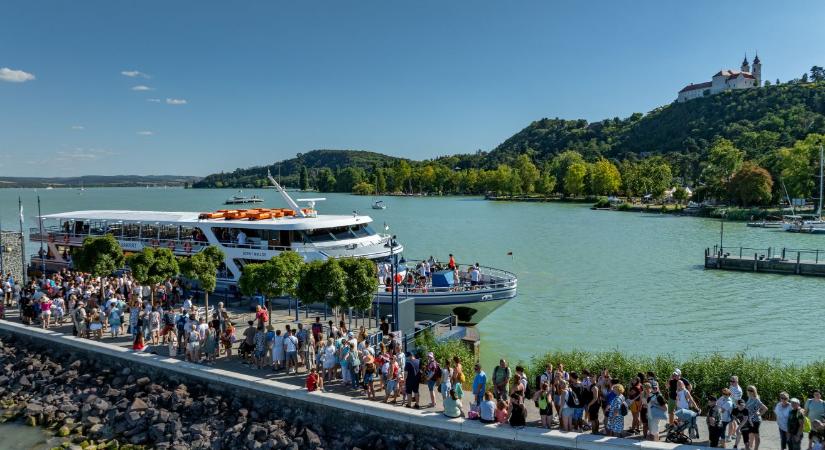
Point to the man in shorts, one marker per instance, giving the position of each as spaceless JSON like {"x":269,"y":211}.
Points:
{"x":412,"y":378}
{"x":291,"y":348}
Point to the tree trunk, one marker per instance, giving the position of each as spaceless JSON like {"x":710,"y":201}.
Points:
{"x":206,"y":304}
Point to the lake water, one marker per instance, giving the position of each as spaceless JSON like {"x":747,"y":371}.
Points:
{"x":590,"y":280}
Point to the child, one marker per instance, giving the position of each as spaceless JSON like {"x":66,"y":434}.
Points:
{"x":501,"y":411}
{"x":138,"y":345}
{"x":314,"y":382}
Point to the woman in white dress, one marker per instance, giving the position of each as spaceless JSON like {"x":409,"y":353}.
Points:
{"x":278,"y":351}
{"x":330,"y":359}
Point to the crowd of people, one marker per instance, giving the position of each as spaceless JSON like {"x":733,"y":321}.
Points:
{"x":418,"y":278}
{"x":329,"y":354}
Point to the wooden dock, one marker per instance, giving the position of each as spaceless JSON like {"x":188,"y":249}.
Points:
{"x":781,"y":261}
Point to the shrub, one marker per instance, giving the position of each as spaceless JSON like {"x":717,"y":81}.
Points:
{"x":602,"y":202}
{"x":624,"y":207}
{"x":426,"y":342}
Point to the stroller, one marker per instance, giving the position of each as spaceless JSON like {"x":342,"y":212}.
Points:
{"x":685,"y":429}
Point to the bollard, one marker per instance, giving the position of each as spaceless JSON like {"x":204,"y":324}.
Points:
{"x":798,"y":271}
{"x":755,"y":261}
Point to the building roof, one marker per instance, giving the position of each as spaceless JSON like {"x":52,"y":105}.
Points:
{"x":693,"y":87}
{"x":731,"y":74}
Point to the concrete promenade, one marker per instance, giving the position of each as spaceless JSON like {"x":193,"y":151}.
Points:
{"x":234,"y":374}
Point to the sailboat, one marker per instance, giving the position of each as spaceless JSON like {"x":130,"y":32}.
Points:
{"x":377,"y":203}
{"x":810,"y":223}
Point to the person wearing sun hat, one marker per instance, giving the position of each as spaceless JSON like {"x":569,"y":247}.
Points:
{"x":796,"y":425}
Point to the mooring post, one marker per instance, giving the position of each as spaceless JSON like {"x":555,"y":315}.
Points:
{"x":755,"y":261}
{"x":798,"y":271}
{"x":783,"y":253}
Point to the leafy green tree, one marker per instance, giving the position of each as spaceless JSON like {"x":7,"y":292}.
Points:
{"x":574,"y":179}
{"x":203,"y":268}
{"x":561,"y":162}
{"x":100,"y":256}
{"x":326,"y":180}
{"x":348,"y":178}
{"x":724,"y":159}
{"x":401,"y":176}
{"x":632,"y":182}
{"x":604,"y":178}
{"x":547,"y":184}
{"x":304,"y":178}
{"x":680,"y":195}
{"x":817,"y":74}
{"x":380,"y":181}
{"x":363,"y":188}
{"x":322,"y":282}
{"x":153,"y":266}
{"x":528,"y":173}
{"x":501,"y":179}
{"x":751,"y":185}
{"x":656,"y":176}
{"x":361,"y":282}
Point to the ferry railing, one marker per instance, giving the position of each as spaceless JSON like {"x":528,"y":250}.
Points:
{"x":448,"y":321}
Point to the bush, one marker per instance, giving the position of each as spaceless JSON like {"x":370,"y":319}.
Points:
{"x":624,"y":207}
{"x":426,"y":342}
{"x":707,"y":373}
{"x":602,"y":202}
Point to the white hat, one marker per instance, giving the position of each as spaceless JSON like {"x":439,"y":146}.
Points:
{"x":677,"y":371}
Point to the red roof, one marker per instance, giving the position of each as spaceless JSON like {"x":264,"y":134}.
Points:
{"x":693,"y":87}
{"x":731,"y":74}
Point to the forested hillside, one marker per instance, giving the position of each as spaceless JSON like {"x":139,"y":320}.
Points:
{"x":756,"y":137}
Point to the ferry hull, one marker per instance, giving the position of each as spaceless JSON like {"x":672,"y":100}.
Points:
{"x":469,"y":307}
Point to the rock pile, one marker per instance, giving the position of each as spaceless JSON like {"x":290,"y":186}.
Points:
{"x":97,"y":407}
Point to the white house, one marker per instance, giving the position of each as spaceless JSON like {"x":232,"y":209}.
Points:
{"x":725,"y":80}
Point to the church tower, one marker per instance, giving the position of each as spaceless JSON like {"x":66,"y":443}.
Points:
{"x":745,"y":67}
{"x":757,"y":70}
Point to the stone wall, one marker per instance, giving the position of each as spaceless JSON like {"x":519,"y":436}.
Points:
{"x":12,"y":243}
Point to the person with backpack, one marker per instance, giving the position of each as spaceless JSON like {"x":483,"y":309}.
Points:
{"x":616,"y":411}
{"x":796,"y":425}
{"x":578,"y":393}
{"x":501,"y":380}
{"x":565,"y":400}
{"x":544,"y":402}
{"x":656,"y":410}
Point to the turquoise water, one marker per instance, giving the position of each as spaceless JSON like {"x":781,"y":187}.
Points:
{"x":592,"y":280}
{"x":17,"y":436}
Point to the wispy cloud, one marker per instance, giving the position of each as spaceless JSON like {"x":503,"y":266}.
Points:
{"x":176,"y":101}
{"x":141,"y":87}
{"x":135,"y":74}
{"x":15,"y":76}
{"x":153,"y":100}
{"x":146,"y":133}
{"x":78,"y":127}
{"x":78,"y":154}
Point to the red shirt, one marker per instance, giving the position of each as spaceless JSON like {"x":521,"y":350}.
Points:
{"x":451,"y":264}
{"x":312,"y":382}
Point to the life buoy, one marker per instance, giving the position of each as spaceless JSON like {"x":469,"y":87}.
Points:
{"x":188,"y":247}
{"x":171,"y":245}
{"x":66,"y":239}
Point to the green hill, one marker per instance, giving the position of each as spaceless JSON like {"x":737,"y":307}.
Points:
{"x":755,"y":120}
{"x":289,"y":169}
{"x":97,"y":181}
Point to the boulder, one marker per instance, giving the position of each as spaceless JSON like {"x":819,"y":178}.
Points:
{"x":138,"y":405}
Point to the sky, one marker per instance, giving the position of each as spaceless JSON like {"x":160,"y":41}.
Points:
{"x":195,"y":87}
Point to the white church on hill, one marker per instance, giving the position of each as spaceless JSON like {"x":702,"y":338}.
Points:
{"x":725,"y":80}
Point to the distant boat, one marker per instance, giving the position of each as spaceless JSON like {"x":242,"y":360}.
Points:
{"x":239,"y":200}
{"x":769,"y":222}
{"x":49,"y":187}
{"x":379,"y":204}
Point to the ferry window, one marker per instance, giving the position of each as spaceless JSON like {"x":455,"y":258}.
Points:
{"x":187,"y":233}
{"x":116,"y":229}
{"x":97,"y":227}
{"x":168,"y":231}
{"x":131,"y":230}
{"x":149,"y":232}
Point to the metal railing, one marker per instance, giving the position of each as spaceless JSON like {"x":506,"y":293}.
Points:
{"x":448,"y":321}
{"x":491,"y":278}
{"x":784,"y":254}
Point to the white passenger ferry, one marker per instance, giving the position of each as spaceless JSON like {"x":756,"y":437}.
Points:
{"x":254,"y":235}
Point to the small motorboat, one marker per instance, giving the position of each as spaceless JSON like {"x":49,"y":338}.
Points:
{"x":239,"y":200}
{"x":379,"y":204}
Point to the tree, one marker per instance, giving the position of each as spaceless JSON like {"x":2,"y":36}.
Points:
{"x":361,"y":282}
{"x":804,"y":78}
{"x":380,"y":181}
{"x":817,"y":74}
{"x":326,"y":180}
{"x":348,"y":178}
{"x":528,"y":173}
{"x":401,"y":175}
{"x":604,"y":178}
{"x":574,"y":179}
{"x":153,"y":266}
{"x":304,"y":178}
{"x":547,"y":184}
{"x":724,"y":159}
{"x":751,"y":185}
{"x":500,"y":179}
{"x":680,"y":195}
{"x":559,"y":164}
{"x":322,"y":282}
{"x":363,"y":188}
{"x":656,"y":176}
{"x":100,"y":256}
{"x":203,"y":268}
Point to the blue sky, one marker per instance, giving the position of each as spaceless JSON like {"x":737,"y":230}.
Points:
{"x":262,"y":81}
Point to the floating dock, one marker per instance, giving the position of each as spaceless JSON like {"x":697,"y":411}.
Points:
{"x":781,"y":261}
